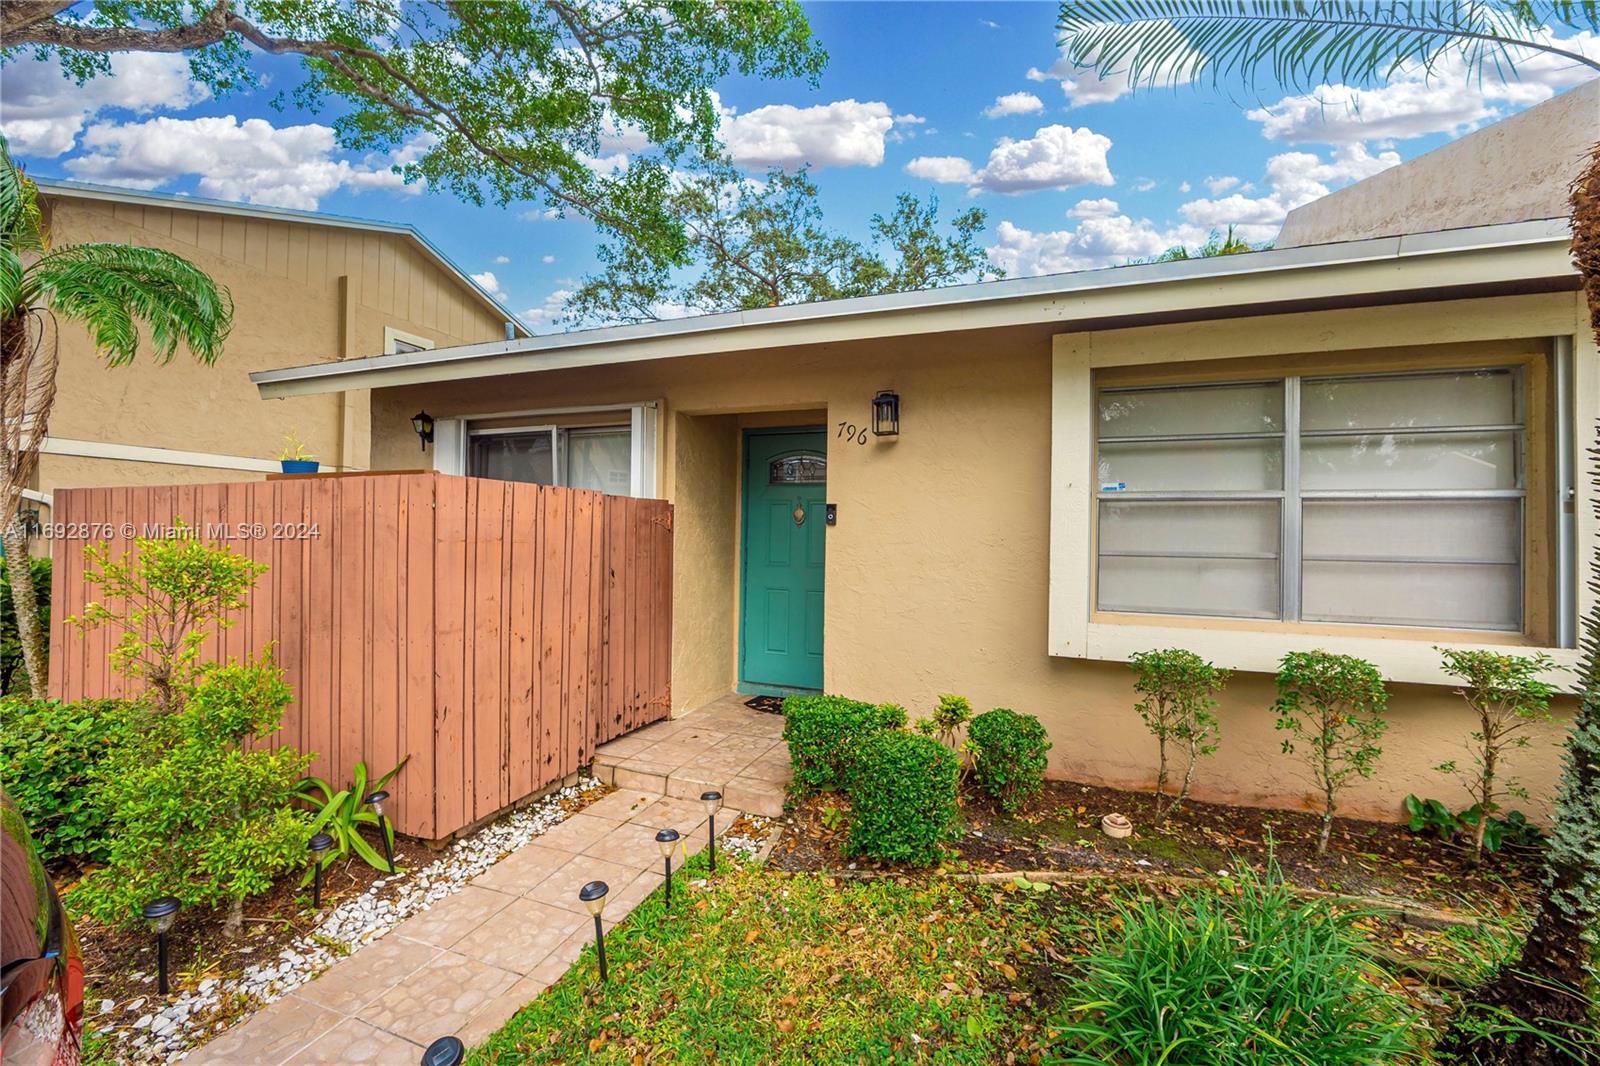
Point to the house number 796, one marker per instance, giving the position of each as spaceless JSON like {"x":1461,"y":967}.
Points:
{"x":851,"y":432}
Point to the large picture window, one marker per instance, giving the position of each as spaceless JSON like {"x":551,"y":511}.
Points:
{"x":1385,"y":499}
{"x":590,"y":457}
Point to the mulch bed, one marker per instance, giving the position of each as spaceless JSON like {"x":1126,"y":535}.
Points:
{"x":1059,"y":830}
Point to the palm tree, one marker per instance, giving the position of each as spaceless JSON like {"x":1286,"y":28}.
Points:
{"x":116,"y":292}
{"x":1301,"y":43}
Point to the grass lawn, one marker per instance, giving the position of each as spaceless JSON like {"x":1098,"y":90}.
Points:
{"x":766,"y":966}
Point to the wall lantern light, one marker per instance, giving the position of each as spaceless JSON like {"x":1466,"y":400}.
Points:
{"x":667,"y":840}
{"x":160,"y":914}
{"x":593,"y":896}
{"x":375,"y":801}
{"x":713,"y":802}
{"x":422,"y":422}
{"x":319,"y":845}
{"x":886,"y":414}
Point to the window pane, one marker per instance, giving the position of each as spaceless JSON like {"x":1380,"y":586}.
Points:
{"x":1394,"y":461}
{"x":1485,"y":398}
{"x":1166,"y":527}
{"x":1194,"y":466}
{"x":599,"y":459}
{"x":1453,"y":595}
{"x":1442,"y":530}
{"x":1244,"y":588}
{"x":514,"y":457}
{"x":1256,"y":408}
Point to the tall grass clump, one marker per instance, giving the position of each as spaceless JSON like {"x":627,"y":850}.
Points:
{"x":1248,"y":975}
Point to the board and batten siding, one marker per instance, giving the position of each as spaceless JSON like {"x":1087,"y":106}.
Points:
{"x":494,"y":632}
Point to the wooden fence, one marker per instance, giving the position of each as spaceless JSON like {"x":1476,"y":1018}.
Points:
{"x":494,"y":632}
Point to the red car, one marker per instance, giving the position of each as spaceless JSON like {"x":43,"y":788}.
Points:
{"x":41,"y":969}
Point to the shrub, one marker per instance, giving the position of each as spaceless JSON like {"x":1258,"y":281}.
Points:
{"x":1010,"y":760}
{"x":1256,"y":978}
{"x":341,"y":815}
{"x":903,"y":798}
{"x":1177,"y":686}
{"x":822,"y":731}
{"x":50,"y":753}
{"x":947,"y":719}
{"x":12,"y":669}
{"x":1332,"y":705}
{"x":194,"y":814}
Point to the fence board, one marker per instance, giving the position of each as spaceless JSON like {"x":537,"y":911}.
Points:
{"x":494,"y":632}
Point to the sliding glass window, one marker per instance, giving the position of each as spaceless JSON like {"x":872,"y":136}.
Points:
{"x":589,"y":457}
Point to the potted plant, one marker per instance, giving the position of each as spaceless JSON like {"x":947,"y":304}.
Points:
{"x":295,"y":458}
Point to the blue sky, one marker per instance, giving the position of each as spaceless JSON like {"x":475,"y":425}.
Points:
{"x":969,"y":101}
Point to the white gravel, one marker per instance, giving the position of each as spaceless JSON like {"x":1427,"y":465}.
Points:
{"x":166,"y":1035}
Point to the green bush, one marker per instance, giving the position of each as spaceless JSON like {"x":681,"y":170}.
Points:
{"x":194,"y":814}
{"x":822,"y":731}
{"x":903,"y":798}
{"x":947,"y":719}
{"x":1257,"y":978}
{"x":50,"y":753}
{"x":13,"y":674}
{"x":1010,"y":755}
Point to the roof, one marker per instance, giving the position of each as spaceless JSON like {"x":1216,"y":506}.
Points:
{"x":1518,"y":257}
{"x":90,"y":191}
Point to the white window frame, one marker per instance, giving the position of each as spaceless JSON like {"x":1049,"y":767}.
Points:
{"x":451,"y":437}
{"x":392,"y":335}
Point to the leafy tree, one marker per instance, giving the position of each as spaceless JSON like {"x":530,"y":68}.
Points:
{"x":505,"y":100}
{"x":115,"y":291}
{"x":762,"y":243}
{"x":165,"y":598}
{"x":1153,"y":42}
{"x":1176,"y":687}
{"x":1506,"y":693}
{"x":1332,"y":706}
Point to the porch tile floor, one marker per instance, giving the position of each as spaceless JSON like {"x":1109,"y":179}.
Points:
{"x":472,"y":960}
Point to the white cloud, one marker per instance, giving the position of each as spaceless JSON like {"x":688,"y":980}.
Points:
{"x":1083,"y":86}
{"x":1293,"y":178}
{"x":42,"y":112}
{"x":1218,"y":186}
{"x":501,"y":260}
{"x":841,"y":134}
{"x":1108,"y":240}
{"x":539,"y":214}
{"x":1014,"y":104}
{"x":1102,"y":207}
{"x":1184,"y":187}
{"x":548,"y":312}
{"x":1145,"y":184}
{"x":989,"y":24}
{"x":1413,"y":103}
{"x":547,"y":259}
{"x":253,"y":160}
{"x":490,"y":284}
{"x":1055,"y":157}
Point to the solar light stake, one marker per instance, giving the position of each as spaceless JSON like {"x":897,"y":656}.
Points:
{"x":375,"y":801}
{"x":593,"y":896}
{"x":445,"y":1051}
{"x":666,"y":840}
{"x":160,"y":913}
{"x":319,"y":845}
{"x":713,"y":802}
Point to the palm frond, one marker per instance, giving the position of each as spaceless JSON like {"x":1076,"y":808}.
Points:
{"x":21,"y":223}
{"x":113,"y":289}
{"x":1302,"y":43}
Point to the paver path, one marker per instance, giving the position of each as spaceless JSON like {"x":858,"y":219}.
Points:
{"x":472,"y":959}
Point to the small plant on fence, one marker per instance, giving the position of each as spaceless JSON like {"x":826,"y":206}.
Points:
{"x":1009,"y":755}
{"x":822,"y":733}
{"x":947,"y":719}
{"x":1507,"y":695}
{"x":165,"y":599}
{"x":1332,"y":706}
{"x":904,"y":804}
{"x":341,"y":815}
{"x":1176,"y":689}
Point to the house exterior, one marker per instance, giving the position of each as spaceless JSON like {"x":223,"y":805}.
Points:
{"x":304,"y":285}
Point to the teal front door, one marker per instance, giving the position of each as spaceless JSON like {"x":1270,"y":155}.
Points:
{"x":780,"y":627}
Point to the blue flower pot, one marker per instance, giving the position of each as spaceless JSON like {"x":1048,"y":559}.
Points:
{"x":299,"y":466}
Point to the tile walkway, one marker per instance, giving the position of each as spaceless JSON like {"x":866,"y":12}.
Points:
{"x":472,"y":960}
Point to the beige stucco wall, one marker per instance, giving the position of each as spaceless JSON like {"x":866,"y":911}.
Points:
{"x":938,"y":569}
{"x":301,"y":292}
{"x":1513,"y":170}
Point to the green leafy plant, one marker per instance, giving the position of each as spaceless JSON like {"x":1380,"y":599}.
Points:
{"x":1255,"y":976}
{"x":341,"y":814}
{"x":1431,"y":816}
{"x":194,"y":813}
{"x":904,"y":798}
{"x":1176,"y":689}
{"x":294,"y":448}
{"x":947,"y":719}
{"x":1332,"y":706}
{"x":13,"y":669}
{"x":1507,"y":695}
{"x":50,"y":755}
{"x":823,"y":731}
{"x":1009,"y":755}
{"x":165,"y":598}
{"x":1491,"y":834}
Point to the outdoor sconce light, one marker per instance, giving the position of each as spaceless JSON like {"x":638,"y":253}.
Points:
{"x":593,"y":896}
{"x":319,"y":846}
{"x":445,"y":1051}
{"x":422,"y":422}
{"x":160,"y":914}
{"x":713,"y":802}
{"x":886,"y":414}
{"x":375,"y":801}
{"x":666,"y":840}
